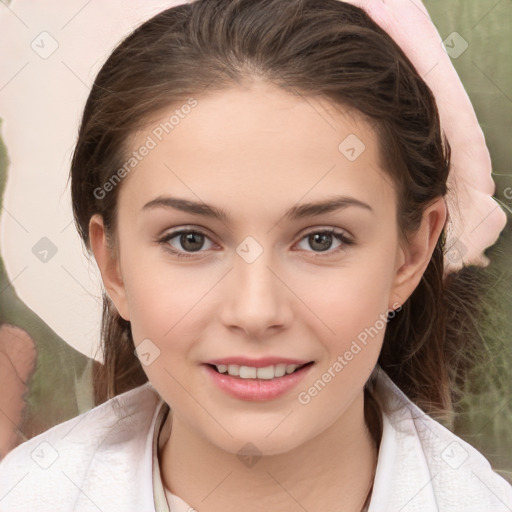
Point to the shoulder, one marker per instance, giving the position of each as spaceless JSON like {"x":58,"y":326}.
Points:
{"x":83,"y":459}
{"x":431,"y":466}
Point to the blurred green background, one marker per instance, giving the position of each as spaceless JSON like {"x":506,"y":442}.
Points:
{"x":61,"y":385}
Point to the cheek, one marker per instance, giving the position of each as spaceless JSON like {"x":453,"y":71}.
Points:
{"x":166,"y":302}
{"x":354,"y":308}
{"x":155,"y":294}
{"x":160,"y":306}
{"x":348,"y":300}
{"x":352,"y":304}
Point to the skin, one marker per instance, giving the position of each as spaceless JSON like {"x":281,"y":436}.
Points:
{"x":256,"y":151}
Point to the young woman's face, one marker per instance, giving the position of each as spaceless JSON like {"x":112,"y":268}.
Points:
{"x":260,"y":282}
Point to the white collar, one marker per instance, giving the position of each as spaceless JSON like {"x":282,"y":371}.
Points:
{"x":104,"y":460}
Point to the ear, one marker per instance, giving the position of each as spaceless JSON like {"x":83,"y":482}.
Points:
{"x":108,"y":263}
{"x":415,"y":254}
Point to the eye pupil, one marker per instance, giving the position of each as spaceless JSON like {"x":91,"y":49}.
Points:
{"x":321,"y":238}
{"x":191,"y":237}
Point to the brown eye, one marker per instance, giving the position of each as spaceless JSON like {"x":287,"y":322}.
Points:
{"x":191,"y":241}
{"x":188,"y":242}
{"x":322,"y":241}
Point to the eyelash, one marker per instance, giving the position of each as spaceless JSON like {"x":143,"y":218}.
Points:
{"x":340,"y":236}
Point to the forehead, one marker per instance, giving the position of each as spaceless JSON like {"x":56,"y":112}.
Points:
{"x":260,"y":143}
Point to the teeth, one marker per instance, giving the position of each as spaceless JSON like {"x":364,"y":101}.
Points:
{"x":250,"y":372}
{"x":233,"y":369}
{"x":280,"y":369}
{"x":247,"y":372}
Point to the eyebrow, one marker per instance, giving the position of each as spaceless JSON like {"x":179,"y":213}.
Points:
{"x":296,"y":212}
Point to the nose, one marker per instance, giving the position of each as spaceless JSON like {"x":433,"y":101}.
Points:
{"x":256,"y":299}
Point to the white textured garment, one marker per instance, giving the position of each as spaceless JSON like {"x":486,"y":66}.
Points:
{"x":105,"y":461}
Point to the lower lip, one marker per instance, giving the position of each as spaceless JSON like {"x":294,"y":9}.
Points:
{"x":257,"y":389}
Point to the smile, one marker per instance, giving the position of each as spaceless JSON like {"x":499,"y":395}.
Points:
{"x":251,"y":372}
{"x":257,"y":383}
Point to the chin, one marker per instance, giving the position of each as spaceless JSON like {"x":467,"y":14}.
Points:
{"x":258,"y":444}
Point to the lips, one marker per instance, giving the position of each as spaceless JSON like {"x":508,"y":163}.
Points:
{"x":244,"y":386}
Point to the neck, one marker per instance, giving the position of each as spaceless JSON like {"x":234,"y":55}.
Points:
{"x":333,"y":469}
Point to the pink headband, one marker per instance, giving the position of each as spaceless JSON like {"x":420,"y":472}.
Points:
{"x":475,"y":218}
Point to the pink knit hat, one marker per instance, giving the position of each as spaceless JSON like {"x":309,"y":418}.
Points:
{"x":475,"y":218}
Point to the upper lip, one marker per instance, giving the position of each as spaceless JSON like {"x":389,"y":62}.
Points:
{"x":257,"y":363}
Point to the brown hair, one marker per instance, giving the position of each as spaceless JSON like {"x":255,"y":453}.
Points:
{"x":324,"y":48}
